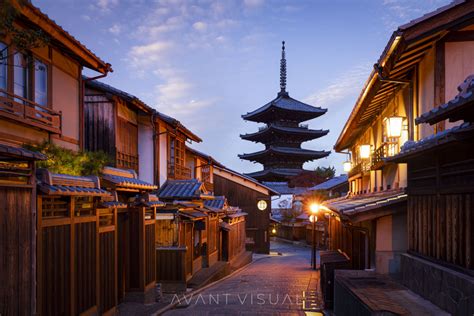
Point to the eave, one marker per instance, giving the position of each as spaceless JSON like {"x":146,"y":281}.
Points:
{"x":294,"y":153}
{"x":406,"y":48}
{"x":304,"y":134}
{"x":57,"y":33}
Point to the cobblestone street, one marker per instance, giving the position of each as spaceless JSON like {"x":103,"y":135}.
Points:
{"x":271,"y":285}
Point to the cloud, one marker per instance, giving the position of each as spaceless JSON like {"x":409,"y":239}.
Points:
{"x":115,"y":29}
{"x":346,"y":85}
{"x":253,"y":3}
{"x":106,"y":5}
{"x":200,"y":26}
{"x":398,"y":12}
{"x":143,"y":57}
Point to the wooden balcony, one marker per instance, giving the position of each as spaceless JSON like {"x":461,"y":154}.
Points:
{"x":26,"y":112}
{"x":126,"y":161}
{"x":360,"y":168}
{"x":387,"y":149}
{"x":178,"y":172}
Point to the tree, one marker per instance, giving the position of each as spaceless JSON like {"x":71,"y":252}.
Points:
{"x":311,"y":178}
{"x":66,"y":161}
{"x":22,"y":39}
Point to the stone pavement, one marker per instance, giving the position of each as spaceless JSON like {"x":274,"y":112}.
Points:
{"x":271,"y":285}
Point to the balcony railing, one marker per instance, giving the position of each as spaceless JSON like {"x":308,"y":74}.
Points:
{"x":178,"y":172}
{"x":206,"y":178}
{"x":360,"y":168}
{"x":127,"y":161}
{"x":27,"y":112}
{"x":387,"y":149}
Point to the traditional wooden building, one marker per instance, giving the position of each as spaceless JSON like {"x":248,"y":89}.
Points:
{"x":252,"y":198}
{"x":18,"y":215}
{"x":441,"y":207}
{"x":135,"y":232}
{"x":283,"y":134}
{"x":419,"y":68}
{"x":41,"y":89}
{"x":202,"y":167}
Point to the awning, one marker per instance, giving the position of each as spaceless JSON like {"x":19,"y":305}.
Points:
{"x":17,"y":152}
{"x":225,"y":226}
{"x":113,"y":204}
{"x":354,"y":207}
{"x":192,"y":214}
{"x":127,"y":179}
{"x":239,"y":214}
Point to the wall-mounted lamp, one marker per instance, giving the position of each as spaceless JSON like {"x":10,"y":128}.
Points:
{"x":347,"y":165}
{"x":394,"y":126}
{"x":364,"y":151}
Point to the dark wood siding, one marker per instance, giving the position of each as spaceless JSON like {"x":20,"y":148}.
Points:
{"x":16,"y":251}
{"x":99,"y":127}
{"x":257,"y":221}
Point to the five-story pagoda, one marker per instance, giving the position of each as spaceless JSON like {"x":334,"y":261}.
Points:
{"x":283,"y":134}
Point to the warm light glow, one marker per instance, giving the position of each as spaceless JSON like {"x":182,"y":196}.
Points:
{"x":347,"y":165}
{"x":364,"y":151}
{"x":274,"y":231}
{"x":314,"y":208}
{"x":313,"y":218}
{"x":262,"y":205}
{"x":394,"y":126}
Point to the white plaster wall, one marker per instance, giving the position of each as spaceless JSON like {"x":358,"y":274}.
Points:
{"x":145,"y":152}
{"x":163,"y":157}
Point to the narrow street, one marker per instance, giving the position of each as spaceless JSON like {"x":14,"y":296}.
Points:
{"x":271,"y":285}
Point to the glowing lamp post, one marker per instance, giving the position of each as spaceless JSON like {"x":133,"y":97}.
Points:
{"x":314,"y":209}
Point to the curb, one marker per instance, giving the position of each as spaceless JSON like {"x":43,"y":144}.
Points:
{"x":172,"y":305}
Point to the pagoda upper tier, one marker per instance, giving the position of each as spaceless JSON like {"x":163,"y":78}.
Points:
{"x":271,"y":132}
{"x":284,"y":108}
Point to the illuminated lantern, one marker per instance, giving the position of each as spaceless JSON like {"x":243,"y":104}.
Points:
{"x":364,"y":151}
{"x":347,"y":165}
{"x":313,"y":218}
{"x":394,"y":126}
{"x":262,"y":205}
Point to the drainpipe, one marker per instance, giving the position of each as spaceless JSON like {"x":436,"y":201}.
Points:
{"x":81,"y":103}
{"x":156,"y":171}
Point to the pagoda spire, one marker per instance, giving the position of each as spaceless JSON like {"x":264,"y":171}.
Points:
{"x":283,"y":71}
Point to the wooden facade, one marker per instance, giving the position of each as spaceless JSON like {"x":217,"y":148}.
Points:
{"x":245,"y":193}
{"x":233,"y":236}
{"x":17,"y":236}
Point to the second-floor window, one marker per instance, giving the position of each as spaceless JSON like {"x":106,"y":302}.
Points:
{"x":3,"y":66}
{"x":20,"y":75}
{"x":41,"y":82}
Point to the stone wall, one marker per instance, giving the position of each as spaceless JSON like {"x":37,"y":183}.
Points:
{"x":450,"y":290}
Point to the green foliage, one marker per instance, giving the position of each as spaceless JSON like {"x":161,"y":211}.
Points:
{"x":325,"y":172}
{"x":312,"y":178}
{"x":66,"y":161}
{"x":22,"y":39}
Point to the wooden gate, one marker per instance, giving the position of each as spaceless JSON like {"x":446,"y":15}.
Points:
{"x":68,"y":244}
{"x":17,"y":231}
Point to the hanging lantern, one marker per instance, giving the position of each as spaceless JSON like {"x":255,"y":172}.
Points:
{"x":313,"y":218}
{"x":394,"y":126}
{"x":364,"y":151}
{"x":347,"y":165}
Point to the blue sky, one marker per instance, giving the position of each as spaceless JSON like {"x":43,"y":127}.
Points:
{"x":206,"y":62}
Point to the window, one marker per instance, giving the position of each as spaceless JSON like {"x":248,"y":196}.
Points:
{"x":3,"y":66}
{"x":41,"y":83}
{"x":20,"y":75}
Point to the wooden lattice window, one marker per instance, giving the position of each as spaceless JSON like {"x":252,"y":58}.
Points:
{"x":84,"y":206}
{"x":106,"y":217}
{"x":55,"y":207}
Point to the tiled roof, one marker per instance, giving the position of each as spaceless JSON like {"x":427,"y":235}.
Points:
{"x":218,"y":202}
{"x":192,"y":213}
{"x":465,"y":97}
{"x":353,"y":205}
{"x":301,"y":131}
{"x":106,"y":67}
{"x":446,"y":136}
{"x":125,"y":178}
{"x":64,"y":184}
{"x":286,"y":103}
{"x":314,"y":154}
{"x":283,"y":188}
{"x":331,"y":183}
{"x":203,"y":155}
{"x":237,"y":214}
{"x":247,"y":177}
{"x":279,"y":172}
{"x":177,"y":124}
{"x":21,"y":152}
{"x":112,"y":204}
{"x":181,"y":189}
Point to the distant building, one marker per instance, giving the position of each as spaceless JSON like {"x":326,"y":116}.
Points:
{"x":336,"y":186}
{"x":283,"y":134}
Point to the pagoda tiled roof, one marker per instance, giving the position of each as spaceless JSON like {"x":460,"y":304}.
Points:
{"x":285,"y":102}
{"x":302,"y":132}
{"x":283,"y":151}
{"x":279,"y":172}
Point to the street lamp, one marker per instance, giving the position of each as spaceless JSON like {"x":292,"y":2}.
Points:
{"x":314,"y":209}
